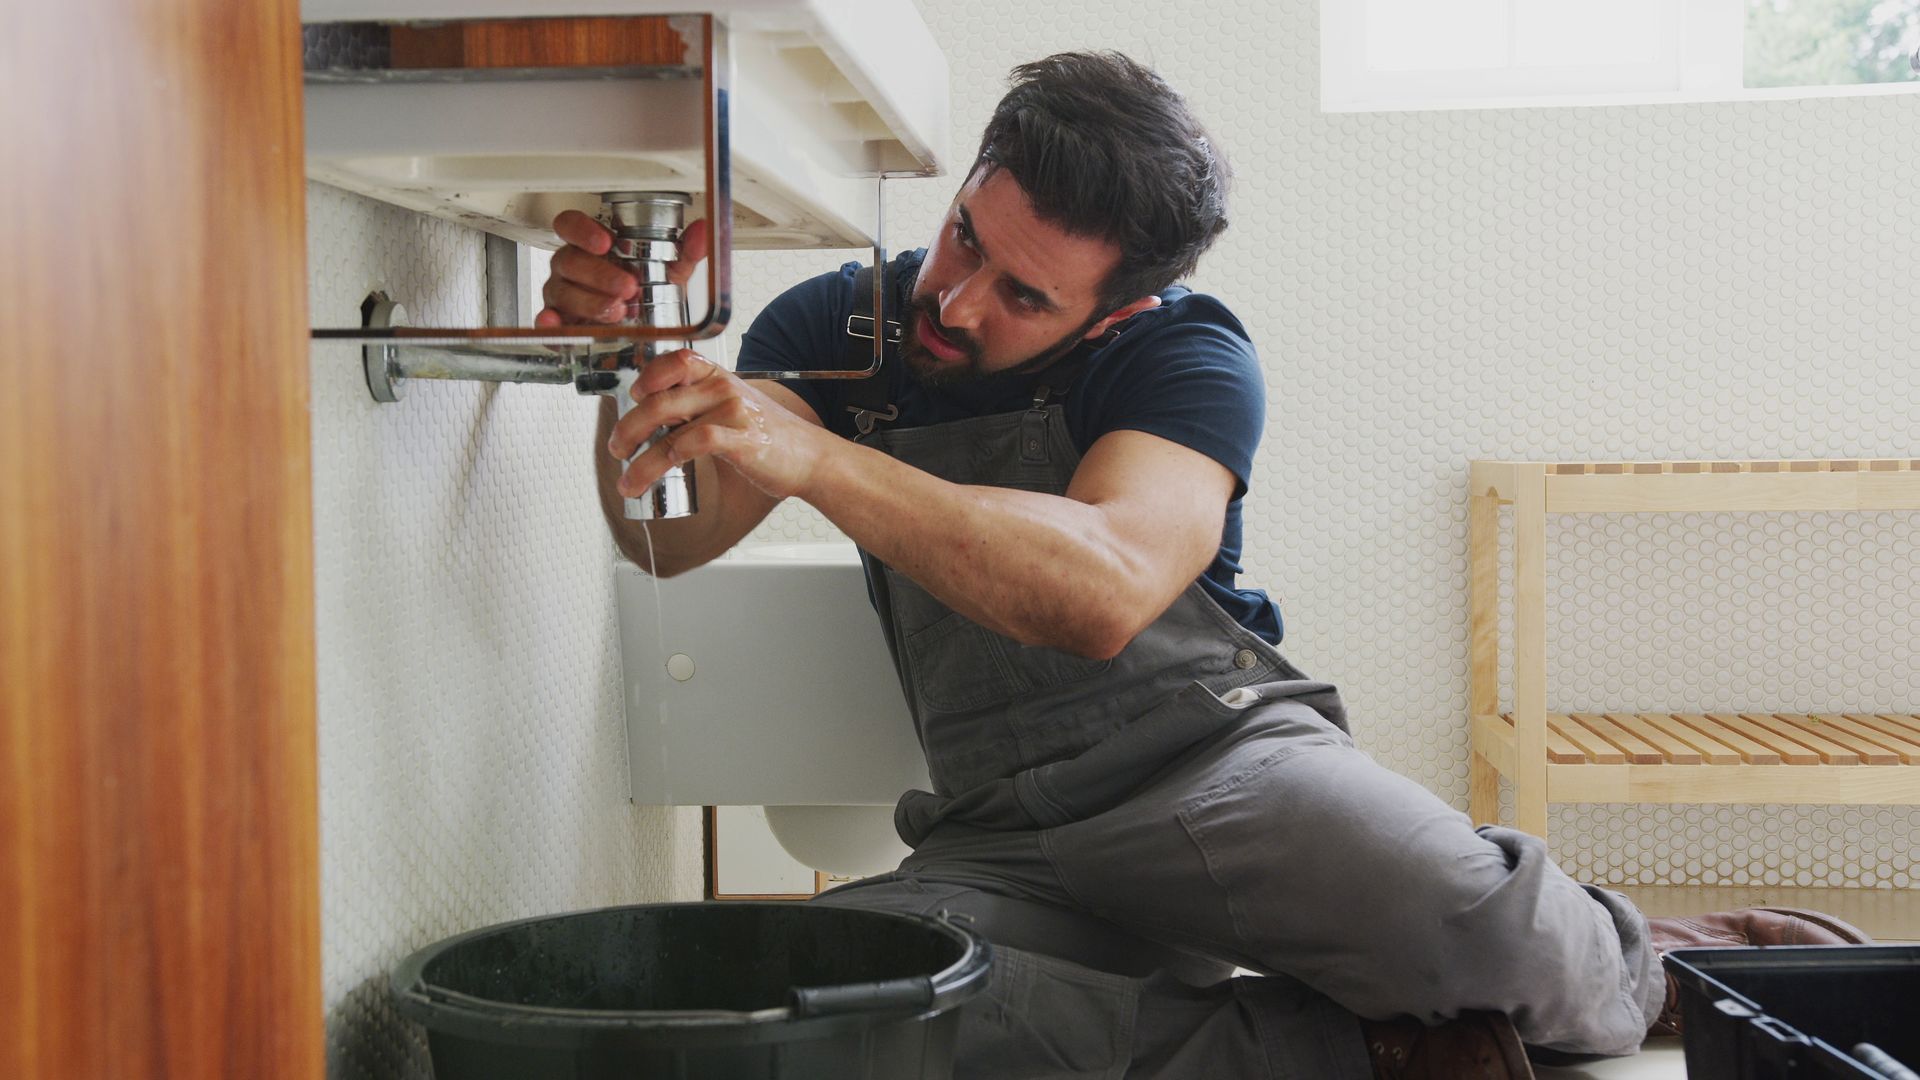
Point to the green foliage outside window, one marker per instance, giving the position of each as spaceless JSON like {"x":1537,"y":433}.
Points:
{"x":1831,"y":42}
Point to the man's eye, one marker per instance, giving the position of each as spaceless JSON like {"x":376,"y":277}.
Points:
{"x":1027,"y":300}
{"x":963,"y":234}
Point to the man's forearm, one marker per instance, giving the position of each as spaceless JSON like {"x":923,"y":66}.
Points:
{"x":1041,"y":569}
{"x":1083,"y":573}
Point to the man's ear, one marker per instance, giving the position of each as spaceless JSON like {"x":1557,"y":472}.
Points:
{"x":1145,"y":303}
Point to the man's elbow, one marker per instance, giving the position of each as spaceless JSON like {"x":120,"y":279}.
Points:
{"x":1102,"y":638}
{"x":1107,"y":635}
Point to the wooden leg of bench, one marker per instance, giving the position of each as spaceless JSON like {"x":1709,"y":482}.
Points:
{"x":1483,"y":649}
{"x":1530,"y":649}
{"x":1483,"y":790}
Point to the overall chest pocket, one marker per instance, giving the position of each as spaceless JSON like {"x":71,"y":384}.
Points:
{"x":957,"y":665}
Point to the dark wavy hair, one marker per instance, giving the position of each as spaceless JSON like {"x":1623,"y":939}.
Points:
{"x":1103,"y":147}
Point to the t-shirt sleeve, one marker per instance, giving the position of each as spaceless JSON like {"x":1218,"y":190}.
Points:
{"x":796,"y":332}
{"x":1197,"y":384}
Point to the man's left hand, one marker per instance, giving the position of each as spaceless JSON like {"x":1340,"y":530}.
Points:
{"x":714,"y":413}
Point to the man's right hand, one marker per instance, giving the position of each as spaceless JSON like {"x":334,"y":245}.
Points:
{"x":586,"y":288}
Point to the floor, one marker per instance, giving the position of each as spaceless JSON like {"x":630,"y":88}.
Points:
{"x":1660,"y":1059}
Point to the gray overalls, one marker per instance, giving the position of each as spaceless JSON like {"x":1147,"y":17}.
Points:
{"x":1127,"y":831}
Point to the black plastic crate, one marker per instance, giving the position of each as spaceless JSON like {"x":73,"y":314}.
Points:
{"x":1796,"y":1013}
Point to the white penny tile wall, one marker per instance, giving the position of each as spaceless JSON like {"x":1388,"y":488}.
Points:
{"x":472,"y":746}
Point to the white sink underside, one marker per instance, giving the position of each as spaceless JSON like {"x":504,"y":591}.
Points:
{"x":826,"y":95}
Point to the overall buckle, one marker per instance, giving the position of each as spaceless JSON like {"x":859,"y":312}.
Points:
{"x":864,"y":419}
{"x":864,"y":331}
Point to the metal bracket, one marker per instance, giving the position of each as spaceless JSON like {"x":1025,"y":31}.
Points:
{"x":865,"y":419}
{"x":879,"y":310}
{"x":861,"y":326}
{"x":717,"y":78}
{"x":507,"y":269}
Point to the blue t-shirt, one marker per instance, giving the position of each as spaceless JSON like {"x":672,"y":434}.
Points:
{"x":1184,"y":371}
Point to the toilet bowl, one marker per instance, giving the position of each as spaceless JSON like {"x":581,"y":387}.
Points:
{"x":763,"y":679}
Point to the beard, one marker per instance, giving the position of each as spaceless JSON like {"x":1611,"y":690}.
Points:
{"x":930,"y":371}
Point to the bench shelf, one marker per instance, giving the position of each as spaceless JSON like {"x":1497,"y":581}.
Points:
{"x":1723,"y":757}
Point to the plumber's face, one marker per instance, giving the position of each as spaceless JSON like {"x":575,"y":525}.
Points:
{"x":1000,"y":288}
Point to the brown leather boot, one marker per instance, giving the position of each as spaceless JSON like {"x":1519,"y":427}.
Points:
{"x":1471,"y":1046}
{"x":1747,"y":926}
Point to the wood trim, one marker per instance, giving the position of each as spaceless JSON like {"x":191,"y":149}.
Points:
{"x":1616,"y":487}
{"x":1483,"y":646}
{"x":1796,"y":785}
{"x":1493,"y":739}
{"x":1496,"y":479}
{"x":710,"y":822}
{"x":593,"y":41}
{"x":1530,"y":649}
{"x":1759,"y":465}
{"x":159,"y":887}
{"x":1757,"y":775}
{"x":1704,"y":493}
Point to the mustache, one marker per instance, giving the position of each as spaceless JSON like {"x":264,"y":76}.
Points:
{"x":924,"y":307}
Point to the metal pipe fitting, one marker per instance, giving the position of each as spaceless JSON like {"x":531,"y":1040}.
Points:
{"x":646,"y":241}
{"x":388,"y":365}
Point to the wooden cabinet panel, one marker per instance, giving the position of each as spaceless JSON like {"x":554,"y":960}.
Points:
{"x":158,"y":815}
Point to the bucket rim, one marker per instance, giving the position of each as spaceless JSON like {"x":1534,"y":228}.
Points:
{"x":951,"y":985}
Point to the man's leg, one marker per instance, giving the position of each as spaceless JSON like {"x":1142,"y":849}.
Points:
{"x":1286,"y":849}
{"x":1045,"y":1016}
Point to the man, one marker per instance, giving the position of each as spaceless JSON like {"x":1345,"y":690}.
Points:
{"x":1134,"y":791}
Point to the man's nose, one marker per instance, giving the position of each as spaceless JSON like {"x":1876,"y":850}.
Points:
{"x":962,"y":304}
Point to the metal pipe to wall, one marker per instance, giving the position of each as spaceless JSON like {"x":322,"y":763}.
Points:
{"x":647,"y":226}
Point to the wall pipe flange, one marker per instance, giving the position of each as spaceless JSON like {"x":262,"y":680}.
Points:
{"x":381,"y":360}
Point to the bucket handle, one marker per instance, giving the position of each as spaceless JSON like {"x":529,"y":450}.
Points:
{"x":914,"y":993}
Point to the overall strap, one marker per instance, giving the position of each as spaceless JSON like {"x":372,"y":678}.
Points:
{"x":869,"y":399}
{"x":1052,"y":389}
{"x":1058,"y":380}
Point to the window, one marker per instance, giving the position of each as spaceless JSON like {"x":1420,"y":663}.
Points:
{"x":1831,"y":42}
{"x":1394,"y":54}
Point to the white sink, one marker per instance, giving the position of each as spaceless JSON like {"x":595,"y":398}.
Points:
{"x":826,"y":94}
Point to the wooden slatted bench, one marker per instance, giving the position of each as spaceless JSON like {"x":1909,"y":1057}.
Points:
{"x":1825,"y":758}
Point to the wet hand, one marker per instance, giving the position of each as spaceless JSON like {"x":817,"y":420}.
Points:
{"x":584,"y":287}
{"x":713,"y":413}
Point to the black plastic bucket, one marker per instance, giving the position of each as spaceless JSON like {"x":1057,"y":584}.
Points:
{"x":720,"y":990}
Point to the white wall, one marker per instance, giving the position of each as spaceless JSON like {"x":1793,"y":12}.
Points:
{"x":472,"y":745}
{"x":1696,"y":281}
